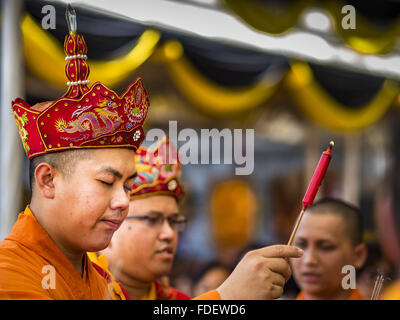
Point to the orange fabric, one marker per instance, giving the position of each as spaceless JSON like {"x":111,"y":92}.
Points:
{"x":355,"y":295}
{"x":392,"y":292}
{"x":210,"y":295}
{"x":24,"y":254}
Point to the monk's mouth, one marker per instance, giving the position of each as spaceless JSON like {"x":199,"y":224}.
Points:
{"x":168,"y":250}
{"x":166,"y":253}
{"x":113,"y":224}
{"x":310,"y":277}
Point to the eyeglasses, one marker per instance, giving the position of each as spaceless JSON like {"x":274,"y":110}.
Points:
{"x":177,"y":221}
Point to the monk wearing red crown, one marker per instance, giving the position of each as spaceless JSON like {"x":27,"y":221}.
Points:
{"x":80,"y":149}
{"x":141,"y":266}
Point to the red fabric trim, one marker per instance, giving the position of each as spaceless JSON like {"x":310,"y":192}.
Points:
{"x":106,"y":276}
{"x":169,"y":293}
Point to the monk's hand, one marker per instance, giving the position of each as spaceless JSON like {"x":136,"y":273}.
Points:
{"x":261,"y":274}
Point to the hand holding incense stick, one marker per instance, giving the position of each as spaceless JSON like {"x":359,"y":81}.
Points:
{"x":313,"y":187}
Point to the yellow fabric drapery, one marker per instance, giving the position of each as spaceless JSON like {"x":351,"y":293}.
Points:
{"x":41,"y":50}
{"x":319,"y":106}
{"x":266,"y":19}
{"x":365,"y":38}
{"x":210,"y":97}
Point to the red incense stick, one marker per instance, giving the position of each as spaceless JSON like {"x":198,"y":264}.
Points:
{"x":313,"y":187}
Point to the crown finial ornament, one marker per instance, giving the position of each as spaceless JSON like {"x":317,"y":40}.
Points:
{"x":70,"y":16}
{"x":84,"y":117}
{"x":76,"y":69}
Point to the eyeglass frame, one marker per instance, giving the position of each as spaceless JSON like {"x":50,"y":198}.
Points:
{"x":160,"y":219}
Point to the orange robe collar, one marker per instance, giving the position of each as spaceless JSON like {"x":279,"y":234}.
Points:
{"x":355,"y":295}
{"x":29,"y":233}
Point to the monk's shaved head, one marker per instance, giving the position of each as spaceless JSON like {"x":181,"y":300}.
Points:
{"x":64,"y":161}
{"x":351,"y":215}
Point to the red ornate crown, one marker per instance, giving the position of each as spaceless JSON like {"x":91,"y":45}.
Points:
{"x":84,"y":117}
{"x":159,"y":171}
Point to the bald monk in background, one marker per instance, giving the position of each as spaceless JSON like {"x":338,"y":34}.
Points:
{"x":330,"y":234}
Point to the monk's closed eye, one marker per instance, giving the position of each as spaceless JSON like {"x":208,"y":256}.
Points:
{"x":327,"y":248}
{"x":109,"y":184}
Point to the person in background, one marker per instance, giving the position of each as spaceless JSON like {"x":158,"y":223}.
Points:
{"x":209,"y":277}
{"x":388,"y":230}
{"x":330,"y":234}
{"x":375,"y":264}
{"x":142,"y":251}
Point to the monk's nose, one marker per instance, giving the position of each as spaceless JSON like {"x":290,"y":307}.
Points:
{"x":310,"y":256}
{"x":166,"y":231}
{"x":120,"y":200}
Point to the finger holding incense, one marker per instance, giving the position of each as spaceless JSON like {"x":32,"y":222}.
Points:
{"x":280,"y":251}
{"x":277,"y":257}
{"x":261,"y":274}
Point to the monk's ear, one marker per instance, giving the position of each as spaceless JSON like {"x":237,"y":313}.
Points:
{"x":44,"y":180}
{"x":361,"y":253}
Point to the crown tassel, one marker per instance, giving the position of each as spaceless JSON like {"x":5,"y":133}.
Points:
{"x":76,"y":69}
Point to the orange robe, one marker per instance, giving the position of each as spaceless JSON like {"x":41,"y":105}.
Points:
{"x":27,"y":256}
{"x":157,"y":291}
{"x":210,"y":295}
{"x":355,"y":295}
{"x":392,"y":292}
